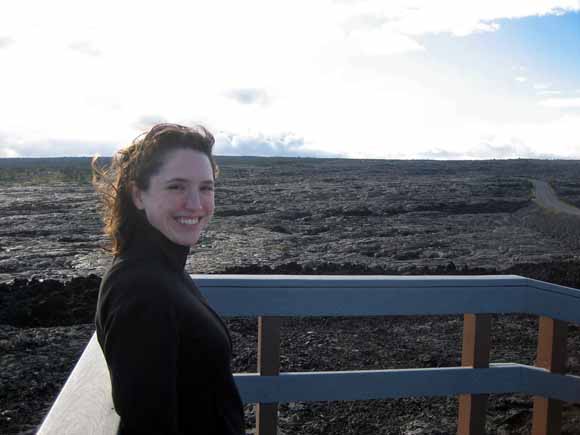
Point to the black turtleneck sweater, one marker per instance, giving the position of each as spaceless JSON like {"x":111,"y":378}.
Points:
{"x":167,"y":351}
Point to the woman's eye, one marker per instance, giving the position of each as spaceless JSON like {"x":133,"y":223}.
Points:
{"x":207,"y":188}
{"x":175,"y":187}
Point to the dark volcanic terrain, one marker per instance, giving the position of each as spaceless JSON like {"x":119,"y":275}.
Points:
{"x":270,"y":211}
{"x":298,"y":216}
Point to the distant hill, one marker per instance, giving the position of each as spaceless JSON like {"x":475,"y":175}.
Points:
{"x":530,"y":168}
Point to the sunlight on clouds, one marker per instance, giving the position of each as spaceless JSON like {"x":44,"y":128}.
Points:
{"x":382,"y":41}
{"x":5,"y":42}
{"x":278,"y":76}
{"x":7,"y":152}
{"x":465,"y":17}
{"x":549,"y":92}
{"x":283,"y":144}
{"x":555,"y":139}
{"x":562,"y":103}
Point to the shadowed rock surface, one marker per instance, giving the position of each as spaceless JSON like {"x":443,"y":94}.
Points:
{"x":298,"y":216}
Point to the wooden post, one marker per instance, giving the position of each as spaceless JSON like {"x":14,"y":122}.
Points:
{"x":268,"y":365}
{"x":476,"y":345}
{"x":547,"y":419}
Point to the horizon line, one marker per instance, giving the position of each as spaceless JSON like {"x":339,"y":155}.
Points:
{"x":570,"y":159}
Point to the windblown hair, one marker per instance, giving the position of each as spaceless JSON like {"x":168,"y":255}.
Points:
{"x":137,"y":163}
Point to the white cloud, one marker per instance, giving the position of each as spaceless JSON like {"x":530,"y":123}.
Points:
{"x":325,"y":71}
{"x":556,"y":138}
{"x":284,"y":145}
{"x":512,"y":149}
{"x":550,"y":136}
{"x":16,"y":146}
{"x":549,"y":92}
{"x":5,"y":41}
{"x":8,"y":152}
{"x":521,"y":79}
{"x":418,"y":17}
{"x":561,"y":103}
{"x":542,"y":86}
{"x":381,"y":42}
{"x":145,"y":122}
{"x":248,"y":95}
{"x":85,"y":47}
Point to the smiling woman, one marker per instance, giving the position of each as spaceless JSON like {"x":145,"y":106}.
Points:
{"x":167,"y":351}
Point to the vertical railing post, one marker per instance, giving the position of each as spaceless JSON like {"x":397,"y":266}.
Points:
{"x":268,"y":365}
{"x":547,"y":419}
{"x":475,"y":353}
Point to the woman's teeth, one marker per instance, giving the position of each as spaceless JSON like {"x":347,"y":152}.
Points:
{"x":187,"y":221}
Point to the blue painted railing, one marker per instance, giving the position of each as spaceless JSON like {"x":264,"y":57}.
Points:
{"x":316,"y":295}
{"x":270,"y":296}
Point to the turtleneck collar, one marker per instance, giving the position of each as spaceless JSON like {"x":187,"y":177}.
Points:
{"x":148,"y":241}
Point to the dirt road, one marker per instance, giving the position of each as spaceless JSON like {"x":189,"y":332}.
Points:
{"x":545,"y":197}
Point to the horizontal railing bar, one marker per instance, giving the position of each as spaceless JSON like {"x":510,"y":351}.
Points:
{"x":337,"y":281}
{"x":554,"y":305}
{"x":262,"y":295}
{"x":549,"y":287}
{"x":378,"y":384}
{"x":388,"y":384}
{"x":364,"y":301}
{"x":540,"y":290}
{"x":541,"y":382}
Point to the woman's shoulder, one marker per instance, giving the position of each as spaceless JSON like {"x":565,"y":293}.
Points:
{"x":134,"y":280}
{"x":135,"y":300}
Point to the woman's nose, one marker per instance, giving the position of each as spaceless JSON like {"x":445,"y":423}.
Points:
{"x":193,"y":201}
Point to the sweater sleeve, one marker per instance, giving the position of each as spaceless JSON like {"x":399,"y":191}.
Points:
{"x":141,"y":348}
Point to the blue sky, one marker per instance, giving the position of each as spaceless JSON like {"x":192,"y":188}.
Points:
{"x":348,"y":78}
{"x":547,"y":48}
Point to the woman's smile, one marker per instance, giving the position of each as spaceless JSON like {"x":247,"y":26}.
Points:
{"x":188,"y":221}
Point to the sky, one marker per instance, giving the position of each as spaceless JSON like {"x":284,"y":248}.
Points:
{"x":413,"y":79}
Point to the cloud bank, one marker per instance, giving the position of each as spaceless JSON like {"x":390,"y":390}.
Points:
{"x":347,"y":78}
{"x":486,"y":151}
{"x":5,"y":41}
{"x":85,"y":47}
{"x":284,"y":145}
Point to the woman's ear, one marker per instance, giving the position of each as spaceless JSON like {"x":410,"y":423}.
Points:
{"x":136,"y":196}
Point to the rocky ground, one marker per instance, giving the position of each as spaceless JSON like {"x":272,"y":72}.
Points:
{"x":569,"y":189}
{"x":37,"y":356}
{"x":396,"y":214}
{"x":299,"y":216}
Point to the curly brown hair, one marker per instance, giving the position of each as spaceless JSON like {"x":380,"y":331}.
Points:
{"x":137,"y":163}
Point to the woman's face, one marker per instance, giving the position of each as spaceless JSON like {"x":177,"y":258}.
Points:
{"x":180,"y":199}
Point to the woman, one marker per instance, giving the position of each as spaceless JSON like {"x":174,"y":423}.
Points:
{"x":167,"y":351}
